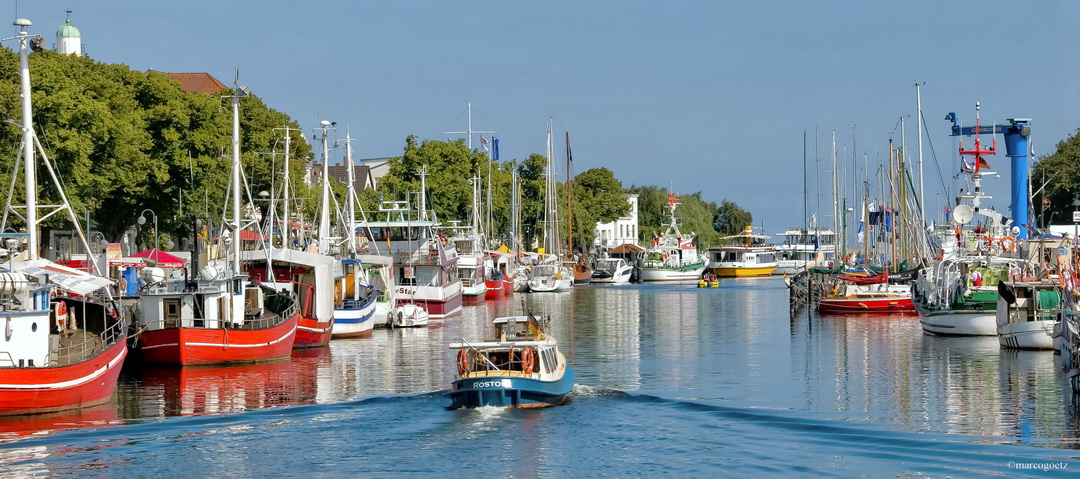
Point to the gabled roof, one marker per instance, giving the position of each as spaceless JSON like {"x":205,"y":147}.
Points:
{"x":201,"y":82}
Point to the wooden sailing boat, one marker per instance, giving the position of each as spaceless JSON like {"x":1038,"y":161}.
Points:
{"x":583,"y":266}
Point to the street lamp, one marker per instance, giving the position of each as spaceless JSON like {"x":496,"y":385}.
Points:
{"x":142,"y":221}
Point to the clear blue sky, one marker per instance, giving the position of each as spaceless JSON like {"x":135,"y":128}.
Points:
{"x":706,"y":96}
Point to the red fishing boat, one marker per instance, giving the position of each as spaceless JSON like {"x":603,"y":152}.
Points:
{"x":308,"y":276}
{"x":215,"y":315}
{"x":55,"y":358}
{"x":56,"y":353}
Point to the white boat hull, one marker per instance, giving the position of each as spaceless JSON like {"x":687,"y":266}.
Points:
{"x":664,"y":274}
{"x":546,"y":285}
{"x":959,"y":323}
{"x":1027,"y":335}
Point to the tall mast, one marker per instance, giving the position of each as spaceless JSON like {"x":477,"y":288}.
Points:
{"x":237,"y":187}
{"x":29,"y":164}
{"x":351,"y":208}
{"x":285,"y":195}
{"x":324,"y":207}
{"x":835,"y":173}
{"x":918,"y":120}
{"x":569,"y":197}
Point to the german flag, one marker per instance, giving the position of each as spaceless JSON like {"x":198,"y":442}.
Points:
{"x":534,"y":326}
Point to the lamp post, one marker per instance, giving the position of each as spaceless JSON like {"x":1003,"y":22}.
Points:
{"x":142,"y":221}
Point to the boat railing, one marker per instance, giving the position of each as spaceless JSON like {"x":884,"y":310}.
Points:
{"x":77,"y":345}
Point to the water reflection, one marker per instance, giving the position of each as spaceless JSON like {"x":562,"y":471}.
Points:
{"x":733,"y":346}
{"x":173,"y":391}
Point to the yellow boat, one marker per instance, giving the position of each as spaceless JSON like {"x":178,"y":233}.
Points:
{"x":741,"y":255}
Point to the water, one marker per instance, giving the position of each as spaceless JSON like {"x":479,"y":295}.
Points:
{"x":672,"y":380}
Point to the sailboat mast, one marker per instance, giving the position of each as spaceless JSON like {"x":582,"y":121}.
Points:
{"x":237,"y":187}
{"x":918,"y":120}
{"x":29,"y":164}
{"x":351,"y":208}
{"x":569,"y":197}
{"x":285,"y":230}
{"x":324,"y":205}
{"x":835,"y":174}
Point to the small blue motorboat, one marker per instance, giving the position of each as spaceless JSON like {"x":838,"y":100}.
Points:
{"x":520,"y":367}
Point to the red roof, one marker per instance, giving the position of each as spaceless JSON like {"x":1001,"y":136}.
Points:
{"x":196,"y":82}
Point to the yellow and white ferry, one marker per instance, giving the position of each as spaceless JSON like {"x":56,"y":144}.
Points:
{"x":744,"y":254}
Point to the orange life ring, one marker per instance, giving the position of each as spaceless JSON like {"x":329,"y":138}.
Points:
{"x":61,"y":316}
{"x":462,"y":362}
{"x":1008,"y":243}
{"x":528,"y":360}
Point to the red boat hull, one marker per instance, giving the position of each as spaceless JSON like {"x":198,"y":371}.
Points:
{"x":40,"y":390}
{"x":195,"y":346}
{"x":494,"y":289}
{"x":310,"y":333}
{"x":854,"y":305}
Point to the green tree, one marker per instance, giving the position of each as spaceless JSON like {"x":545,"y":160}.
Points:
{"x":598,"y":198}
{"x":730,"y":219}
{"x":1061,"y":173}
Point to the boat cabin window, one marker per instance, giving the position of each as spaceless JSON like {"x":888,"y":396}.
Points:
{"x":547,"y":359}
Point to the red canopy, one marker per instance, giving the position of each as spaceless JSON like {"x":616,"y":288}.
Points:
{"x":160,"y":258}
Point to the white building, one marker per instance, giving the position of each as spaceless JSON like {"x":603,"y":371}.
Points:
{"x":621,"y":231}
{"x":69,"y":40}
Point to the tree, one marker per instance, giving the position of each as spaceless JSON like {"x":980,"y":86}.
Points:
{"x":729,"y":219}
{"x":598,"y":198}
{"x":124,"y":141}
{"x":1061,"y":173}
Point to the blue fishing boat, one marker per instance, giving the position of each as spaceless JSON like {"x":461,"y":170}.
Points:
{"x":520,"y":367}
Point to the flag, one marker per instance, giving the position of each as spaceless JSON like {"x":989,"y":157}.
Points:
{"x":484,"y":142}
{"x":495,"y":148}
{"x":534,"y":327}
{"x":966,"y":166}
{"x":983,"y":163}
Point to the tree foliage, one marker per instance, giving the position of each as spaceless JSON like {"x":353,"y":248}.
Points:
{"x":730,"y":219}
{"x":125,"y":141}
{"x":1061,"y":173}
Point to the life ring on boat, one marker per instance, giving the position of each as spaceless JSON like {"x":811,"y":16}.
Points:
{"x":528,"y":360}
{"x":1008,"y":243}
{"x":61,"y":315}
{"x":462,"y":362}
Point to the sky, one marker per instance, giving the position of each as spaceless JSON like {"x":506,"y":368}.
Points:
{"x":712,"y":96}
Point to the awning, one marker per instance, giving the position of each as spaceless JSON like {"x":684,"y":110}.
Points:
{"x":160,"y":259}
{"x":67,"y":279}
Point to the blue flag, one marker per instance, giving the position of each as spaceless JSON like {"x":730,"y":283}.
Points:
{"x":495,"y":148}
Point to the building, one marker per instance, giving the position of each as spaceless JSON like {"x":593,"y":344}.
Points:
{"x":621,"y":231}
{"x":365,"y":175}
{"x":69,"y":39}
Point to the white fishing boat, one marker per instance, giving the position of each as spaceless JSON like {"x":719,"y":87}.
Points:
{"x":1028,"y":313}
{"x":425,"y":264}
{"x":673,"y":255}
{"x":958,"y":295}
